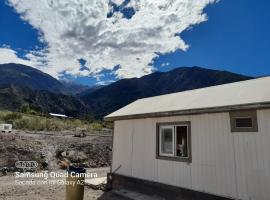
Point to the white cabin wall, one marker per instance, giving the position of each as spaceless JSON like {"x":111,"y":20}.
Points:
{"x":143,"y":158}
{"x":122,"y":151}
{"x":213,"y":169}
{"x":252,"y":152}
{"x":223,"y":163}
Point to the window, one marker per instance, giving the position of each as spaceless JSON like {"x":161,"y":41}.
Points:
{"x":182,"y":141}
{"x":173,"y":141}
{"x":6,"y":127}
{"x":166,"y":141}
{"x":244,"y":121}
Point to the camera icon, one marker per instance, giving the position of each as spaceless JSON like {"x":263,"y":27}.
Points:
{"x":26,"y":164}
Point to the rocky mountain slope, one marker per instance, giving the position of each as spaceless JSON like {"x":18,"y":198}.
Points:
{"x":13,"y":97}
{"x":123,"y":92}
{"x":75,"y":88}
{"x":26,"y":76}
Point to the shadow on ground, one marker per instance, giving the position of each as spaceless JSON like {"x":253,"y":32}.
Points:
{"x":111,"y":196}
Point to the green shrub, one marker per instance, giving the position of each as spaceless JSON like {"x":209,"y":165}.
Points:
{"x":95,"y":126}
{"x":9,"y":116}
{"x":25,"y":108}
{"x":42,"y":123}
{"x":108,"y":125}
{"x":21,"y":123}
{"x":28,"y":110}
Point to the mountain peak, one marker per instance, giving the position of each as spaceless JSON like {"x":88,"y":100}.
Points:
{"x":26,"y":76}
{"x":123,"y":92}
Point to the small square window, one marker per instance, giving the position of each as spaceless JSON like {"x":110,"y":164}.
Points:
{"x":244,"y":121}
{"x":6,"y":127}
{"x":174,"y":141}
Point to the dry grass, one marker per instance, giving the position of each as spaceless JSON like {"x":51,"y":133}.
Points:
{"x":44,"y":123}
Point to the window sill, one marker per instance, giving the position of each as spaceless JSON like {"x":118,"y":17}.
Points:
{"x":244,"y":130}
{"x":176,"y":159}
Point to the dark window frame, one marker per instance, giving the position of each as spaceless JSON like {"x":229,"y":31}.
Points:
{"x":243,"y":114}
{"x":170,"y":158}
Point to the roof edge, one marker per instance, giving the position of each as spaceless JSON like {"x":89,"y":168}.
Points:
{"x":191,"y":111}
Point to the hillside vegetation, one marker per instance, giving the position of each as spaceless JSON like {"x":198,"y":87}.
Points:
{"x":13,"y":97}
{"x":34,"y":122}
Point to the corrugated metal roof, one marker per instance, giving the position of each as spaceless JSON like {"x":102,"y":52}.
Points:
{"x":256,"y":91}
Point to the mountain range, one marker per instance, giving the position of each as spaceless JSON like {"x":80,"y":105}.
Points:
{"x":32,"y":78}
{"x":123,"y":92}
{"x":74,"y":88}
{"x":21,"y":85}
{"x":13,"y":97}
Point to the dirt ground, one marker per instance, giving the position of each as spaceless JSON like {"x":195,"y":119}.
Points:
{"x":10,"y":191}
{"x":47,"y":149}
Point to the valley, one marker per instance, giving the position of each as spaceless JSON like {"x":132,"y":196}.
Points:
{"x":23,"y":85}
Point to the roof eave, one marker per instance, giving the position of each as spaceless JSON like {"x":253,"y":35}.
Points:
{"x":190,"y":111}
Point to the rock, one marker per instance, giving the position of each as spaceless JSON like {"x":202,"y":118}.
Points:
{"x":75,"y":156}
{"x":58,"y":152}
{"x":82,"y":156}
{"x":44,"y":164}
{"x":71,"y":154}
{"x":64,"y":154}
{"x":64,"y":164}
{"x":81,"y":134}
{"x":4,"y":171}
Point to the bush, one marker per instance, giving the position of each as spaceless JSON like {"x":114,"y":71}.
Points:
{"x":9,"y":116}
{"x":42,"y":123}
{"x":27,"y":110}
{"x":108,"y":125}
{"x":95,"y":126}
{"x":21,"y":123}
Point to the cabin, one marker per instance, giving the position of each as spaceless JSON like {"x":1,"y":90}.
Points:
{"x":209,"y":143}
{"x":58,"y":115}
{"x":5,"y":128}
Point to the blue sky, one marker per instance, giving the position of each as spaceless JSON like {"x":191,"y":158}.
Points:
{"x":235,"y":38}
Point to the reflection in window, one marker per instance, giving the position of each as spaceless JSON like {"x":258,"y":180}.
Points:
{"x":181,"y":141}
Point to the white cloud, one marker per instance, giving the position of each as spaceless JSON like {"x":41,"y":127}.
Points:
{"x":165,"y":64}
{"x":8,"y":55}
{"x":117,"y":2}
{"x":75,"y":29}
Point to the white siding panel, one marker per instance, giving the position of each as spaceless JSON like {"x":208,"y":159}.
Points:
{"x":165,"y":172}
{"x":213,"y":158}
{"x":182,"y":174}
{"x":144,"y":142}
{"x":122,"y":151}
{"x":252,"y":152}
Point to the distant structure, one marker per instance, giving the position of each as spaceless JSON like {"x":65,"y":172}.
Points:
{"x":209,"y":143}
{"x":58,"y":115}
{"x":6,"y":128}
